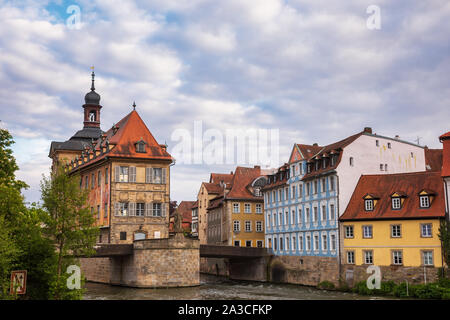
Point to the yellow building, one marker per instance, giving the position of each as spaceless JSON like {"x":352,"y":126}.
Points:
{"x":393,"y":220}
{"x":236,"y":216}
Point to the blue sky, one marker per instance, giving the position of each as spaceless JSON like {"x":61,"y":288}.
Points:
{"x":311,"y":69}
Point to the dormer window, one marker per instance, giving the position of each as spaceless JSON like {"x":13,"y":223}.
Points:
{"x":396,"y":203}
{"x":140,"y":146}
{"x":368,"y":204}
{"x":424,"y":201}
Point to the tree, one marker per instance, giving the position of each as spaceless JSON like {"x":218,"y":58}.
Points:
{"x":444,"y":236}
{"x":68,"y":222}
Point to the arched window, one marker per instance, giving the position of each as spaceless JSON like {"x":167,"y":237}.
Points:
{"x":92,"y":116}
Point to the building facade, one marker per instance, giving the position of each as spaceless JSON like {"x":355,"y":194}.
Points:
{"x":302,"y":212}
{"x":236,"y":215}
{"x":125,"y":170}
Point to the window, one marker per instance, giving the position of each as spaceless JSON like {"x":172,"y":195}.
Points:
{"x":332,"y":183}
{"x":368,"y":257}
{"x":123,"y":235}
{"x":293,"y":244}
{"x":324,"y":163}
{"x":293,"y":193}
{"x":258,"y":208}
{"x":248,"y":226}
{"x":286,"y":218}
{"x":123,"y":174}
{"x":92,"y":181}
{"x":140,"y":146}
{"x":315,"y":216}
{"x":307,"y":216}
{"x":348,"y":232}
{"x":307,"y":189}
{"x":237,"y":243}
{"x":389,"y":145}
{"x":381,"y":167}
{"x":105,"y":211}
{"x":324,"y":242}
{"x":368,"y":204}
{"x":98,"y":212}
{"x":324,"y":213}
{"x":258,"y":192}
{"x":427,"y":258}
{"x":350,"y":257}
{"x":324,"y":185}
{"x":248,"y":243}
{"x":157,"y":175}
{"x":292,"y":216}
{"x":316,"y":242}
{"x":396,"y":203}
{"x":300,"y":243}
{"x":315,"y":187}
{"x":280,"y":219}
{"x":259,"y":226}
{"x":247,"y":208}
{"x":139,"y":236}
{"x":287,"y":244}
{"x":377,"y":143}
{"x":396,"y":231}
{"x":385,"y":167}
{"x":308,"y":243}
{"x":300,"y":190}
{"x":236,"y":208}
{"x":259,"y":243}
{"x":236,"y":226}
{"x":424,"y":201}
{"x":122,"y":209}
{"x":281,"y":243}
{"x":397,"y":257}
{"x":367,"y":231}
{"x":332,"y":213}
{"x":333,"y":242}
{"x":140,"y":209}
{"x":99,"y":178}
{"x":299,"y":216}
{"x":157,"y":209}
{"x":92,"y":116}
{"x":351,"y":161}
{"x":286,"y":193}
{"x":106,"y":176}
{"x":425,"y":230}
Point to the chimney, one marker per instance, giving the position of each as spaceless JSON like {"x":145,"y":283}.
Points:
{"x":397,"y":136}
{"x":368,"y":130}
{"x":257,"y":167}
{"x":315,"y":144}
{"x":445,"y":140}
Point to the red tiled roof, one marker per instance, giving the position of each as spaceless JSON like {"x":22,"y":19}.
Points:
{"x":216,"y":202}
{"x":131,"y":129}
{"x":327,"y":149}
{"x":213,"y":188}
{"x":218,"y":177}
{"x":243,"y":177}
{"x":410,"y":184}
{"x":433,"y":159}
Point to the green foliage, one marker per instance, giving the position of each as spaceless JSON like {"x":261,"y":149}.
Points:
{"x":444,"y":236}
{"x":327,"y":285}
{"x":8,"y":253}
{"x":361,"y":288}
{"x":68,"y":223}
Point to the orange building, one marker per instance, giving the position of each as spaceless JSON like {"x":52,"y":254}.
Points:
{"x":125,"y":170}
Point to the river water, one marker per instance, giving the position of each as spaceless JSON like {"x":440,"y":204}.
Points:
{"x":218,"y":288}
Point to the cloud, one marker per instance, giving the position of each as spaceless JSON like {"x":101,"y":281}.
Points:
{"x":308,"y":68}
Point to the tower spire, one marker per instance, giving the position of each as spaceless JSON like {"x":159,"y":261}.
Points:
{"x":93,"y":76}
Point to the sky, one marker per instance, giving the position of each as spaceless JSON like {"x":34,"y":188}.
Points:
{"x":315,"y":71}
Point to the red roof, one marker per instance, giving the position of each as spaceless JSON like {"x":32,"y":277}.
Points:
{"x":242,"y":179}
{"x":303,"y":152}
{"x":445,"y":139}
{"x":129,"y":130}
{"x":337,"y":146}
{"x":383,"y":186}
{"x":221,"y":177}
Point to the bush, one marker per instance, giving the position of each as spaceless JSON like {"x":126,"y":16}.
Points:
{"x":386,"y":288}
{"x":400,"y":290}
{"x":327,"y":285}
{"x":427,"y":291}
{"x":361,"y":288}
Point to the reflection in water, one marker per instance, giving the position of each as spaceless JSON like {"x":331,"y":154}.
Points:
{"x":216,"y":288}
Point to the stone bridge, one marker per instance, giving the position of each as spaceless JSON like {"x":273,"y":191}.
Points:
{"x":243,"y":263}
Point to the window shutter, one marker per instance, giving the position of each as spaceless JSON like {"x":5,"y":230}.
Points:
{"x":117,"y":173}
{"x":163,"y":178}
{"x":148,"y":175}
{"x":132,"y":174}
{"x":132,"y":208}
{"x":116,"y":209}
{"x":163,"y":209}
